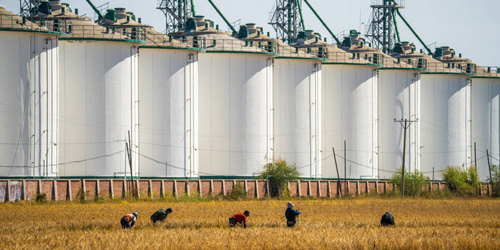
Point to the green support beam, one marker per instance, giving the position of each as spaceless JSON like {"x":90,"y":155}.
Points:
{"x":192,"y":8}
{"x":95,"y":9}
{"x":322,"y":22}
{"x":396,"y":26}
{"x":413,"y":31}
{"x":301,"y":16}
{"x":223,"y":17}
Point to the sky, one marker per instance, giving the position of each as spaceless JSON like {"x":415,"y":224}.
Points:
{"x":471,"y":27}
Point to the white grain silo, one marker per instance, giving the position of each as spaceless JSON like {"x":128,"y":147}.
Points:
{"x":98,"y":72}
{"x":444,"y":115}
{"x":168,"y":82}
{"x":296,"y":112}
{"x":349,"y":107}
{"x":396,"y":99}
{"x":233,"y":104}
{"x":28,"y":98}
{"x":485,"y":115}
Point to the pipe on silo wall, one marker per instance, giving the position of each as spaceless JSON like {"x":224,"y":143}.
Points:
{"x":485,"y":121}
{"x":168,"y":116}
{"x":445,"y":132}
{"x":233,"y":113}
{"x":349,"y":109}
{"x":297,"y":112}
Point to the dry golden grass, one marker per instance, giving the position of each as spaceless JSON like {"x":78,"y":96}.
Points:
{"x":333,"y":224}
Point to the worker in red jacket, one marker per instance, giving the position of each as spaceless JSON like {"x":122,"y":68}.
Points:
{"x":239,"y":218}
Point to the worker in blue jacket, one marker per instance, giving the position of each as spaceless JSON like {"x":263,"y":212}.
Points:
{"x":291,"y":215}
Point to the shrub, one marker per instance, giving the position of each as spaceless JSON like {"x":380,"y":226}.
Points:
{"x":495,"y":179}
{"x":279,"y":173}
{"x":414,"y":182}
{"x":461,"y":180}
{"x":80,"y":195}
{"x":238,"y":193}
{"x":41,"y":198}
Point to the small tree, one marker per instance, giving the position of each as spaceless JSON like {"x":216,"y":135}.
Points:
{"x":461,"y":180}
{"x":495,"y":179}
{"x":414,"y":182}
{"x":279,"y":173}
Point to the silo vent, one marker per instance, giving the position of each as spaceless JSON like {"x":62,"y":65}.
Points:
{"x":191,"y":24}
{"x":55,"y":4}
{"x":110,"y":17}
{"x":243,"y":32}
{"x":45,"y":8}
{"x":121,"y":12}
{"x":252,"y":28}
{"x":310,"y":34}
{"x":200,"y":20}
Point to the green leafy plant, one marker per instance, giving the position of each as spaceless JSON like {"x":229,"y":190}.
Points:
{"x":279,"y":173}
{"x":80,"y":195}
{"x":495,"y":179}
{"x":414,"y":182}
{"x":461,"y":180}
{"x":238,"y":193}
{"x":41,"y":198}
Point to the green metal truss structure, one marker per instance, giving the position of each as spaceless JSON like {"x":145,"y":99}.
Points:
{"x":176,"y":13}
{"x":287,"y":20}
{"x":26,"y":7}
{"x":382,"y":30}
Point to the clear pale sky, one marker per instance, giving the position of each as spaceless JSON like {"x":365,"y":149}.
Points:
{"x":471,"y":27}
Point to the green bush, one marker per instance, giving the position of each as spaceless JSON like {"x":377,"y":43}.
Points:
{"x":461,"y":180}
{"x":279,"y":173}
{"x":238,"y":193}
{"x":495,"y":179}
{"x":414,"y":182}
{"x":41,"y":198}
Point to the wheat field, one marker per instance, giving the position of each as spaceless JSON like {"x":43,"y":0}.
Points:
{"x":324,"y":224}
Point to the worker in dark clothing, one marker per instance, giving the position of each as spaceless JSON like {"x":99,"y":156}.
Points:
{"x":387,"y":220}
{"x":291,"y":215}
{"x":128,"y":220}
{"x":239,"y":218}
{"x":161,"y":215}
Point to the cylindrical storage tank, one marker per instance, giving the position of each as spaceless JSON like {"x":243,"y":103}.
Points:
{"x":485,"y":122}
{"x":349,"y":107}
{"x":28,"y":98}
{"x":297,"y":112}
{"x":233,"y":105}
{"x":168,"y":84}
{"x":98,"y":100}
{"x":444,"y":122}
{"x":398,"y":98}
{"x":296,"y":102}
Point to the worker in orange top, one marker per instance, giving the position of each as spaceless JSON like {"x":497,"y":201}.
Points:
{"x":128,"y":220}
{"x":239,"y":218}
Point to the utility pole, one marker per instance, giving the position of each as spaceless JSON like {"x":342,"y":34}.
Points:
{"x":345,"y":166}
{"x":129,"y":154}
{"x":405,"y":124}
{"x":489,"y":167}
{"x":339,"y":188}
{"x":475,"y":163}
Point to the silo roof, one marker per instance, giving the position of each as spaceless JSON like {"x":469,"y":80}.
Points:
{"x":213,"y":40}
{"x":282,"y":49}
{"x":11,"y":21}
{"x":80,"y":28}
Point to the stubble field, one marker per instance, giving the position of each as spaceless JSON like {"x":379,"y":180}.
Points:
{"x":325,"y":224}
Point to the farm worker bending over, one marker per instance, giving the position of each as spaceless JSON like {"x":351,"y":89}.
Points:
{"x":128,"y":220}
{"x":239,"y":218}
{"x":161,"y":214}
{"x":290,"y":215}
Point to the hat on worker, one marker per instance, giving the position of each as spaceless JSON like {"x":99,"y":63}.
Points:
{"x":289,"y":205}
